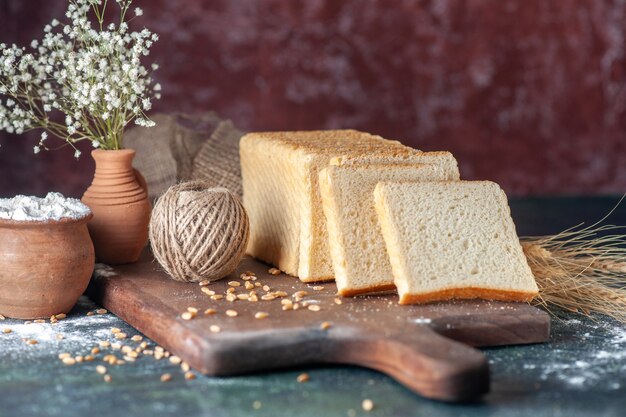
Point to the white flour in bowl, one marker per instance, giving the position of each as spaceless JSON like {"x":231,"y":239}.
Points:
{"x":54,"y":206}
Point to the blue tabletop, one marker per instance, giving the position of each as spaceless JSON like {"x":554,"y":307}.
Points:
{"x":580,"y":371}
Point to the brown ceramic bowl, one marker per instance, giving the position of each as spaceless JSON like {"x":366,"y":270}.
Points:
{"x":44,"y":266}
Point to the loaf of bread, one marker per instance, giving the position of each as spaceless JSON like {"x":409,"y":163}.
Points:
{"x":280,"y":177}
{"x":357,"y":247}
{"x":452,"y":240}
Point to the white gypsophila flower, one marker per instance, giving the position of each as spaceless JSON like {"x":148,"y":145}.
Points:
{"x":90,"y":72}
{"x":36,"y":149}
{"x":44,"y":136}
{"x":77,"y":154}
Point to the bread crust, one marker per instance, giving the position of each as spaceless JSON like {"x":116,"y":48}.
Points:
{"x":351,"y":292}
{"x":468,"y":293}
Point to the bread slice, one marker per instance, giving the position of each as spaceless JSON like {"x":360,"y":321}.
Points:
{"x":452,"y":240}
{"x":280,"y":177}
{"x":357,"y":247}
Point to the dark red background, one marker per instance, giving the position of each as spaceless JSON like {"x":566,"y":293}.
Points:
{"x":529,"y":93}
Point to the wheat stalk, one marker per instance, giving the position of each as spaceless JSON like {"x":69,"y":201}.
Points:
{"x":582,"y":269}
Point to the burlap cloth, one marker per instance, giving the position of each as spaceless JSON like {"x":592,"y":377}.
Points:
{"x":183,"y":147}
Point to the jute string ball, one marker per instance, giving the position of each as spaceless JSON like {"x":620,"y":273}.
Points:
{"x":198,"y":232}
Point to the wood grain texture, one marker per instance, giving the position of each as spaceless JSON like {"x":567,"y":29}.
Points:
{"x":423,"y":347}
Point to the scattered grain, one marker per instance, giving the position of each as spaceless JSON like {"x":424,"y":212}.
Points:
{"x":215,"y":328}
{"x":268,"y":297}
{"x":60,"y":316}
{"x":187,"y":316}
{"x":90,"y":313}
{"x":120,"y":335}
{"x":234,"y":283}
{"x":207,"y":291}
{"x":32,"y":342}
{"x":175,"y":360}
{"x":210,"y":311}
{"x":325,"y":325}
{"x":302,"y":378}
{"x":266,"y":288}
{"x":231,"y":313}
{"x":190,"y":375}
{"x":249,"y":285}
{"x":367,"y":404}
{"x":166,"y":378}
{"x":7,"y":331}
{"x":231,"y":298}
{"x":39,"y":321}
{"x":204,"y":282}
{"x":69,"y":361}
{"x":104,"y":343}
{"x":64,"y":355}
{"x":273,"y":271}
{"x":257,"y":405}
{"x":338,"y":301}
{"x":59,"y":336}
{"x":136,"y":338}
{"x":101,"y":369}
{"x":107,"y":378}
{"x":217,"y":297}
{"x":101,"y":311}
{"x":261,"y":315}
{"x":115,"y":330}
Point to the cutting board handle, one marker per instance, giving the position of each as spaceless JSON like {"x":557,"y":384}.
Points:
{"x":430,"y":364}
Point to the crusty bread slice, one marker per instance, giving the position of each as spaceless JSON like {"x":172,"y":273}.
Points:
{"x":452,"y":240}
{"x":357,"y":247}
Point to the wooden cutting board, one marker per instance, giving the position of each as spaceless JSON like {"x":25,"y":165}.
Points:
{"x":426,"y":347}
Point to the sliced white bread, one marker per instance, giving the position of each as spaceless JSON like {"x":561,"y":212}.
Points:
{"x":280,"y":172}
{"x":452,"y":240}
{"x":357,"y":247}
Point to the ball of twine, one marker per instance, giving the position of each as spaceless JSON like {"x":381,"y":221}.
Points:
{"x":197,"y":232}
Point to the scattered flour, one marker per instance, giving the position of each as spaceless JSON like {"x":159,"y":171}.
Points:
{"x":599,"y":367}
{"x":52,"y":207}
{"x":80,"y":333}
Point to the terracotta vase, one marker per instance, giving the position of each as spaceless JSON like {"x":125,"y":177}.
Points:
{"x":118,"y":198}
{"x":44,"y":266}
